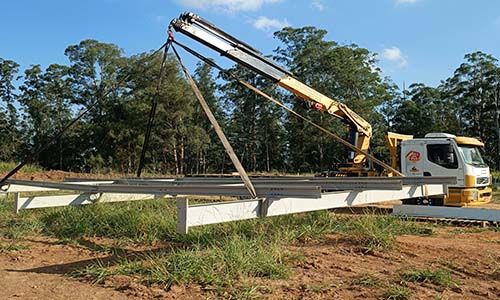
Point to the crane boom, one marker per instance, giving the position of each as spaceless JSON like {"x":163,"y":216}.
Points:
{"x":195,"y":27}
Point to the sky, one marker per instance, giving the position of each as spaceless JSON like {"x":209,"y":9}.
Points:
{"x":416,"y":40}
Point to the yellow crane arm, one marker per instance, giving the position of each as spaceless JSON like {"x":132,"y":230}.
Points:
{"x":208,"y":34}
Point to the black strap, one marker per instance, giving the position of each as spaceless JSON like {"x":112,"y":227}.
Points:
{"x":152,"y":111}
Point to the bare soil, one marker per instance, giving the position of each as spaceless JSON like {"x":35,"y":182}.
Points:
{"x":332,"y":268}
{"x":55,"y":175}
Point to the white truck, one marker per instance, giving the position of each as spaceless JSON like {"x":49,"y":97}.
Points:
{"x":442,"y":154}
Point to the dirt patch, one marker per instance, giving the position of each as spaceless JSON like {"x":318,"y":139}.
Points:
{"x":61,"y":175}
{"x":332,"y":268}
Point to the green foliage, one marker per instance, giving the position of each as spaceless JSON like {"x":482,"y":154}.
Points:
{"x":424,"y":109}
{"x":467,"y":104}
{"x":439,"y":277}
{"x":397,"y":292}
{"x":255,"y":128}
{"x":9,"y":131}
{"x":29,"y":168}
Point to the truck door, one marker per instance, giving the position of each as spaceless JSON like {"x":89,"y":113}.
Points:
{"x":412,"y":158}
{"x":442,"y":159}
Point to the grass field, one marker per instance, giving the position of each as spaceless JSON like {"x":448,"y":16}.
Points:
{"x":225,"y":257}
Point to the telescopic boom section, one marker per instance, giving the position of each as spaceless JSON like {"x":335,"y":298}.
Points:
{"x":208,"y":34}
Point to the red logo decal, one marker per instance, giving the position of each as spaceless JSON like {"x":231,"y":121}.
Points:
{"x":413,"y":156}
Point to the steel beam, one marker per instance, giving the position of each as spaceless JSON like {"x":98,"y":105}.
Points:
{"x":325,"y":184}
{"x":198,"y":189}
{"x":21,"y":186}
{"x":481,"y":214}
{"x":211,"y":213}
{"x":32,"y":202}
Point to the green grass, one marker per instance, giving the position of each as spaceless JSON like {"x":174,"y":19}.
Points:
{"x":379,"y":232}
{"x":397,"y":292}
{"x":29,"y":168}
{"x":367,"y":281}
{"x":14,"y":226}
{"x":143,"y":221}
{"x":12,"y":247}
{"x":222,"y":264}
{"x":225,"y":256}
{"x":439,"y":277}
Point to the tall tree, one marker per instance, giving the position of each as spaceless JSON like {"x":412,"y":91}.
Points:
{"x":255,"y":125}
{"x":9,"y":132}
{"x":46,"y":100}
{"x":211,"y":156}
{"x":175,"y":140}
{"x":423,"y":109}
{"x":96,"y":75}
{"x":473,"y":90}
{"x":346,"y":73}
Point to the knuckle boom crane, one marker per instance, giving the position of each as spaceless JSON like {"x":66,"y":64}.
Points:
{"x":436,"y":154}
{"x":360,"y":131}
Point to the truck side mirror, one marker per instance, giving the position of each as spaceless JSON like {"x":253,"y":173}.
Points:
{"x":449,"y":148}
{"x":450,"y":157}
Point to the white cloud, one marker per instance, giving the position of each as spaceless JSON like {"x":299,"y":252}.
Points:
{"x":318,"y":4}
{"x":267,"y":24}
{"x":406,"y":1}
{"x":394,"y":55}
{"x":227,"y":5}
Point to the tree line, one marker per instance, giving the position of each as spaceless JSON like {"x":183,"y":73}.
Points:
{"x":38,"y":102}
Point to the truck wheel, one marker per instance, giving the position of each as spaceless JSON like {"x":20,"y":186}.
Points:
{"x":424,"y":201}
{"x":437,"y":201}
{"x":411,"y":201}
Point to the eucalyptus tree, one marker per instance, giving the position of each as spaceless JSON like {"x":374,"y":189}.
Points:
{"x":9,"y":133}
{"x":346,"y":73}
{"x":473,"y":91}
{"x":255,"y":125}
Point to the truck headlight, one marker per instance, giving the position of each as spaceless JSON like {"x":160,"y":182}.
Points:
{"x":483,"y":180}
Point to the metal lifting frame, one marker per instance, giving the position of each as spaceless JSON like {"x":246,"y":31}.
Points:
{"x":275,"y":195}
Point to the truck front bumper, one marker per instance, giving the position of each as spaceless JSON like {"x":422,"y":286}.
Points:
{"x":468,"y":196}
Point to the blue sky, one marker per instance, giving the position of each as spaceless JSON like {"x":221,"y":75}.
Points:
{"x":416,"y":40}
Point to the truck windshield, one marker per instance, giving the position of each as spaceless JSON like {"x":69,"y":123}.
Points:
{"x":472,"y":155}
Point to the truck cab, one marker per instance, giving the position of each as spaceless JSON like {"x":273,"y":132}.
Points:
{"x":442,"y":154}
